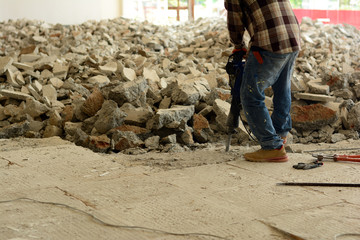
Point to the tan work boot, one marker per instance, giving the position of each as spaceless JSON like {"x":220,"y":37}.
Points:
{"x":271,"y":155}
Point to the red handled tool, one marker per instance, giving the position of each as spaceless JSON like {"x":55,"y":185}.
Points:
{"x":336,"y":157}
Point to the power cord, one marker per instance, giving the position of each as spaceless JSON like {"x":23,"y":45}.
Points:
{"x":99,"y":221}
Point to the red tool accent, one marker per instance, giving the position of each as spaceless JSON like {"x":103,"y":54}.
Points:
{"x":258,"y":57}
{"x":336,"y":157}
{"x":239,"y":50}
{"x":350,"y":158}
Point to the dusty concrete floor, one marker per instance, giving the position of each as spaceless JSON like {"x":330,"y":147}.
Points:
{"x":52,"y":189}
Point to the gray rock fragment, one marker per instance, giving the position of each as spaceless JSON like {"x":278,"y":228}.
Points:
{"x":109,"y":117}
{"x":14,"y":130}
{"x":131,"y":92}
{"x":124,"y":140}
{"x":171,"y":118}
{"x":14,"y":94}
{"x":5,"y":63}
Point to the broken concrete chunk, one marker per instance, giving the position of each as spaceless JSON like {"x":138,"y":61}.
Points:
{"x":125,"y":139}
{"x":221,"y":109}
{"x":70,"y":84}
{"x":14,"y":130}
{"x":20,"y":79}
{"x":109,"y":68}
{"x":136,"y":116}
{"x":353,"y":117}
{"x":93,"y":103}
{"x":99,"y":80}
{"x":185,"y":94}
{"x":60,"y":70}
{"x":312,"y":116}
{"x":35,"y":108}
{"x":212,"y":79}
{"x":56,"y":82}
{"x":36,"y":126}
{"x":100,"y":143}
{"x":140,"y":61}
{"x":37,"y":86}
{"x":202,"y":130}
{"x":82,"y":49}
{"x":12,"y":110}
{"x":5,"y":63}
{"x":165,"y":103}
{"x":55,"y":119}
{"x":14,"y":94}
{"x":171,"y":118}
{"x":46,"y":74}
{"x":186,"y":136}
{"x":129,"y":92}
{"x":169,"y":139}
{"x":29,"y":58}
{"x":187,"y":50}
{"x":109,"y":117}
{"x":3,"y":116}
{"x":218,"y":93}
{"x":128,"y":74}
{"x":49,"y":92}
{"x":314,"y":97}
{"x":71,"y":127}
{"x":316,"y":86}
{"x":152,"y":142}
{"x":39,"y":39}
{"x":11,"y":79}
{"x":23,"y":66}
{"x":150,"y":74}
{"x":81,"y":138}
{"x":34,"y":93}
{"x":337,"y":137}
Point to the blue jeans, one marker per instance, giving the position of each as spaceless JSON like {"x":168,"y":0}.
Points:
{"x":275,"y":71}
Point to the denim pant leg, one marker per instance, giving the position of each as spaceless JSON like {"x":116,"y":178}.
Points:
{"x":282,"y":97}
{"x":256,"y":78}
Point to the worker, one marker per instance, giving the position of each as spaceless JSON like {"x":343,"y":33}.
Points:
{"x":274,"y":45}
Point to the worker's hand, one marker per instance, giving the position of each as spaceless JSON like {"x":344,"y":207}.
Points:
{"x":239,"y":53}
{"x":235,"y":60}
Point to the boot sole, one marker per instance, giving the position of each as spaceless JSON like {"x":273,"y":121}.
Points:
{"x":277,"y":159}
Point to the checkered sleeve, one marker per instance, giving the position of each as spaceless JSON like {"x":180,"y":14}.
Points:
{"x":235,"y":23}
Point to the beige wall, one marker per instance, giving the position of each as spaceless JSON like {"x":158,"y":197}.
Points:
{"x":121,"y":7}
{"x":60,"y":11}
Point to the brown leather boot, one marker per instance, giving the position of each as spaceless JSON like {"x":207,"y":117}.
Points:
{"x":265,"y":155}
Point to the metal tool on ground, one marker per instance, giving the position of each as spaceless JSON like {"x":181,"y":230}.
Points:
{"x":324,"y":157}
{"x":307,"y":166}
{"x":319,"y":184}
{"x":336,"y":157}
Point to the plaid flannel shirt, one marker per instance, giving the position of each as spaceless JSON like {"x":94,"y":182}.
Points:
{"x":271,"y":24}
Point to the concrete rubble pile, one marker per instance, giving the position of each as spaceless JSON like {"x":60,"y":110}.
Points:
{"x":125,"y":86}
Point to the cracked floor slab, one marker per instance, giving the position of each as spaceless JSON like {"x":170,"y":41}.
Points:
{"x":207,"y":191}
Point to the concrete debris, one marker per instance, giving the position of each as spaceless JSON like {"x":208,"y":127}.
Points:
{"x":313,"y":116}
{"x":122,"y":85}
{"x":5,"y":63}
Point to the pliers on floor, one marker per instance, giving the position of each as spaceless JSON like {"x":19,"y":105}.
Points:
{"x":336,"y":157}
{"x":306,"y":166}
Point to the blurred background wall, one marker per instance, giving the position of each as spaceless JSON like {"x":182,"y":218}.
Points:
{"x":162,"y":11}
{"x":60,"y":11}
